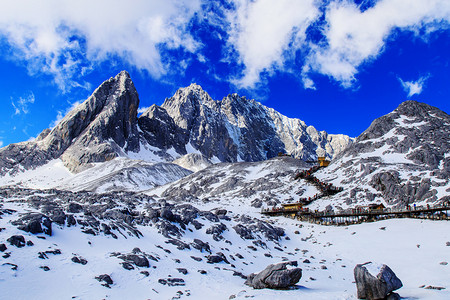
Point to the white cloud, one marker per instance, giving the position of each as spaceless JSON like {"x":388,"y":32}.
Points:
{"x":42,"y":33}
{"x":262,"y":31}
{"x":1,"y":143}
{"x":414,"y":87}
{"x":354,"y":37}
{"x":141,"y":110}
{"x":22,"y":105}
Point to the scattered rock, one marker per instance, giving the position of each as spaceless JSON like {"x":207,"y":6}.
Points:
{"x":106,"y":279}
{"x":203,"y":272}
{"x":45,"y":268}
{"x":276,"y":276}
{"x":34,"y":223}
{"x":375,"y":286}
{"x":200,"y":245}
{"x":217,"y":258}
{"x":79,"y":260}
{"x":3,"y":247}
{"x":196,"y":258}
{"x":127,"y":266}
{"x":430,"y":287}
{"x":30,"y":243}
{"x":182,"y":271}
{"x":444,"y":263}
{"x":172,"y":281}
{"x":17,"y":240}
{"x":13,"y":266}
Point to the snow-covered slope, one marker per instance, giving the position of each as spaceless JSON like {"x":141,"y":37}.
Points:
{"x":249,"y":184}
{"x":153,"y":250}
{"x":402,"y":158}
{"x":120,"y":174}
{"x":193,"y":161}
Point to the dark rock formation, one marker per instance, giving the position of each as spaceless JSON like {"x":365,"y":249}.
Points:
{"x":276,"y":276}
{"x":106,"y":279}
{"x":17,"y":240}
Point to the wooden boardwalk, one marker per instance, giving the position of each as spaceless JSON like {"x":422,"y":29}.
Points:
{"x":355,"y":216}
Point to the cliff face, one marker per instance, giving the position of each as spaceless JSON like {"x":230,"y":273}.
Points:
{"x":234,"y":129}
{"x":97,"y":130}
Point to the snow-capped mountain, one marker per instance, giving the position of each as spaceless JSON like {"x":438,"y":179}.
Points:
{"x":237,"y":129}
{"x":402,"y":158}
{"x":106,"y":127}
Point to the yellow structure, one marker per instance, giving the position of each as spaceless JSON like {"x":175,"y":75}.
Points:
{"x":292,"y":206}
{"x":322,"y":161}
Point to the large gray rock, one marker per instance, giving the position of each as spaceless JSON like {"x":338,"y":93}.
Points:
{"x":276,"y":276}
{"x":375,"y":282}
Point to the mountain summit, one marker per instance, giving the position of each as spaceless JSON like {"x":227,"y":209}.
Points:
{"x":105,"y":126}
{"x":402,"y":158}
{"x":97,"y":130}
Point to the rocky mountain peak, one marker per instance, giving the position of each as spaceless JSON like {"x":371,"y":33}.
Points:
{"x":99,"y":129}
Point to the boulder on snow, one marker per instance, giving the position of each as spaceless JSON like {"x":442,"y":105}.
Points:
{"x":34,"y":223}
{"x":276,"y":276}
{"x":17,"y":240}
{"x":375,"y":281}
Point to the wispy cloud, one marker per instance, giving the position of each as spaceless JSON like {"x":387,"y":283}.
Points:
{"x":414,"y":87}
{"x":1,"y":143}
{"x":21,"y":105}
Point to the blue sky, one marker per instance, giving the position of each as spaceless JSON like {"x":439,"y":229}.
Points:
{"x":335,"y":64}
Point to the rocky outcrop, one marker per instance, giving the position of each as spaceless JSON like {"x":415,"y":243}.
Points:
{"x":375,"y":282}
{"x":276,"y":276}
{"x":400,"y":159}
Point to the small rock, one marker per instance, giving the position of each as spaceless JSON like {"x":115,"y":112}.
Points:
{"x":182,"y":271}
{"x":79,"y":260}
{"x":196,"y":258}
{"x":127,"y":266}
{"x":45,"y":268}
{"x":17,"y":240}
{"x":444,"y":263}
{"x":30,"y":243}
{"x":203,"y":272}
{"x":146,"y":273}
{"x":447,"y":244}
{"x":430,"y":287}
{"x":3,"y":247}
{"x":13,"y":266}
{"x":306,"y":261}
{"x":106,"y":279}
